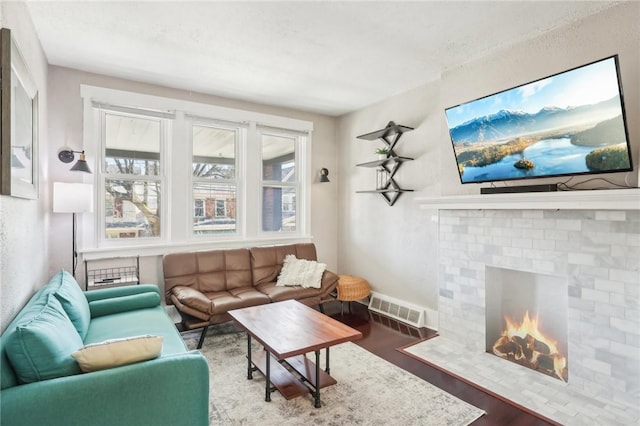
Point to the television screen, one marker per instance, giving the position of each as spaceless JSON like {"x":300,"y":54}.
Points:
{"x":565,"y":124}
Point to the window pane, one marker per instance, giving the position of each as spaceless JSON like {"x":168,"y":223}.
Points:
{"x":132,"y":209}
{"x":278,"y":209}
{"x":219,"y":209}
{"x":214,"y":153}
{"x":132,"y":145}
{"x":278,"y":158}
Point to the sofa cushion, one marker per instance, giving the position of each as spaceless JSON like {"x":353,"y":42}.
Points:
{"x":224,"y":301}
{"x":223,"y":269}
{"x":72,"y":299}
{"x":207,"y":271}
{"x":153,"y":321}
{"x":278,"y":294}
{"x":115,"y":352}
{"x":41,"y":345}
{"x":302,"y":272}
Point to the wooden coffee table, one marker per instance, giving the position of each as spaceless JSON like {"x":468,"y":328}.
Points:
{"x":287,"y":331}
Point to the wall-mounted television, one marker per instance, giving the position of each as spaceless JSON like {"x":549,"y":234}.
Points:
{"x":570,"y":123}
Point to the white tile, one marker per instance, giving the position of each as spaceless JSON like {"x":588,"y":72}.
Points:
{"x":626,"y":326}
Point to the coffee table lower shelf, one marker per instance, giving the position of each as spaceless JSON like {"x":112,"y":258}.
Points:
{"x":287,"y":383}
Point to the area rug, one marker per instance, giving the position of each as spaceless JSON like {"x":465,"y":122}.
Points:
{"x":369,"y":391}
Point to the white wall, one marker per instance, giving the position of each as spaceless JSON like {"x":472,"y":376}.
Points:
{"x":388,"y":245}
{"x":395,"y":247}
{"x":24,"y":224}
{"x":66,"y":126}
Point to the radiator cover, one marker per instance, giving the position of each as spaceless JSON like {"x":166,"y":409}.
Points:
{"x":397,"y":309}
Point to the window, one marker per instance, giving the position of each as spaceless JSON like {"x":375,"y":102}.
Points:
{"x":131,"y":175}
{"x":219,"y":174}
{"x":221,"y":208}
{"x":279,"y":183}
{"x":214,"y":177}
{"x":198,"y":208}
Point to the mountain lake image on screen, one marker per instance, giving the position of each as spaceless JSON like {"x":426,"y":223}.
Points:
{"x":569,"y":123}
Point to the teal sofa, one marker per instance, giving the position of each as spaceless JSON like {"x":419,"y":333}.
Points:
{"x":42,"y":384}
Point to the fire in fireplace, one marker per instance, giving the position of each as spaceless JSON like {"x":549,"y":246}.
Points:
{"x":523,"y":342}
{"x":526,"y":319}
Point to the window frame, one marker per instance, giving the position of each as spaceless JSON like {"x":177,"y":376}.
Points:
{"x":299,"y":141}
{"x":178,"y":215}
{"x":102,"y":176}
{"x":238,"y":182}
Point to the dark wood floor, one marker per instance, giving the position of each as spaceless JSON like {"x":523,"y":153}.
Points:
{"x":382,"y":336}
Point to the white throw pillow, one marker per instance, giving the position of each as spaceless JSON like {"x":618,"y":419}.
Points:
{"x":300,"y":272}
{"x":115,"y":352}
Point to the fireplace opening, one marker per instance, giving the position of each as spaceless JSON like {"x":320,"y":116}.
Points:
{"x":526,"y":320}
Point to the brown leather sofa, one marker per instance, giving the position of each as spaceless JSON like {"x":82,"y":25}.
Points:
{"x":205,"y":285}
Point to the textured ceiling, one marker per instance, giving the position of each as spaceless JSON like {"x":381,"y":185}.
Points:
{"x":325,"y":57}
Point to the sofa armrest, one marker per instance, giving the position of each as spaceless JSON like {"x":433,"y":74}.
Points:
{"x":193,"y":298}
{"x":131,"y":302}
{"x":329,"y":283}
{"x":171,"y":390}
{"x":108,"y":293}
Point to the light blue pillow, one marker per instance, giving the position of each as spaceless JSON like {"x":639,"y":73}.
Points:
{"x":40,"y":347}
{"x":73,"y":301}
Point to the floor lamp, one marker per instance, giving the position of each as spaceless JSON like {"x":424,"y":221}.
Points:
{"x":73,"y":198}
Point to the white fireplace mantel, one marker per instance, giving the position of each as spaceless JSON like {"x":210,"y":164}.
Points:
{"x":610,"y":199}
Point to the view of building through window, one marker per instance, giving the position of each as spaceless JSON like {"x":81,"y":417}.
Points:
{"x":214,"y":179}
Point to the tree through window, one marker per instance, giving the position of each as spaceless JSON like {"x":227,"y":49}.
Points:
{"x":132,"y":176}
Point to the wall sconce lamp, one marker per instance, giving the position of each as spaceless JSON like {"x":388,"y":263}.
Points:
{"x":324,"y":175}
{"x":67,"y":155}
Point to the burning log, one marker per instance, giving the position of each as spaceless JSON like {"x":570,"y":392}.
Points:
{"x":541,"y":347}
{"x":534,"y":350}
{"x":545,"y":362}
{"x":504,"y":347}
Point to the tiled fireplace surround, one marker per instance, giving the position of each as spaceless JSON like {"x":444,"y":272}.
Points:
{"x":593,"y":245}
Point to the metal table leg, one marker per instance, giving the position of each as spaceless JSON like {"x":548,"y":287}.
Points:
{"x":316,"y":394}
{"x":326,"y":367}
{"x":249,"y":366}
{"x":267,"y":394}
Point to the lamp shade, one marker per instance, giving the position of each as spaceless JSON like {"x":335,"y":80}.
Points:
{"x":81,"y":165}
{"x":72,"y":197}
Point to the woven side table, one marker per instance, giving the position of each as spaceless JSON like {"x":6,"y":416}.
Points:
{"x":351,"y":288}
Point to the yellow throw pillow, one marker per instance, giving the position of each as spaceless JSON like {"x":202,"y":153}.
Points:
{"x":115,"y":352}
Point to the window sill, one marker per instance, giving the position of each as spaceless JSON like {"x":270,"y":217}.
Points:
{"x":144,"y":250}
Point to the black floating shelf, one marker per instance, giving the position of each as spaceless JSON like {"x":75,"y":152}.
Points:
{"x":391,"y":129}
{"x":388,"y":166}
{"x":377,"y":163}
{"x":383,"y":191}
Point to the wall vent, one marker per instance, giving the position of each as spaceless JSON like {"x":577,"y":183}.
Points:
{"x":398,"y":309}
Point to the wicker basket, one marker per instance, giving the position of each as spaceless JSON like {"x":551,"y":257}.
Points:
{"x":351,"y":288}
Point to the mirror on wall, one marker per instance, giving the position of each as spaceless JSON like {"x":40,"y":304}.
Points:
{"x":18,"y":123}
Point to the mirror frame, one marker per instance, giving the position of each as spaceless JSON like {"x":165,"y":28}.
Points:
{"x":14,"y":73}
